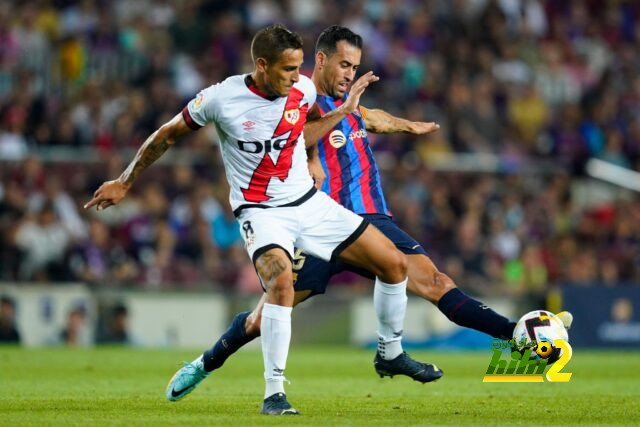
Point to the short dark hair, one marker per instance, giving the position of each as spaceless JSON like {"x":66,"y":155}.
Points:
{"x":269,"y":42}
{"x":328,"y":40}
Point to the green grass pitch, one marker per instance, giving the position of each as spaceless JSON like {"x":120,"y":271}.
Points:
{"x":329,"y":385}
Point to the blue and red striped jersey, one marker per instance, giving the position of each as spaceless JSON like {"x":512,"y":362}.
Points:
{"x":352,"y":173}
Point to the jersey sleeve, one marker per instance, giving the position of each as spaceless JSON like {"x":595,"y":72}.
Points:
{"x":203,"y":108}
{"x":309,"y":90}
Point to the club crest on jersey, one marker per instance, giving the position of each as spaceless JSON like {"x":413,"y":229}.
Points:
{"x":292,"y":116}
{"x":198,"y":102}
{"x":337,"y":139}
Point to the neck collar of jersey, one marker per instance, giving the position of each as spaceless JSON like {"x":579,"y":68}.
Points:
{"x":251,"y":85}
{"x":336,"y":101}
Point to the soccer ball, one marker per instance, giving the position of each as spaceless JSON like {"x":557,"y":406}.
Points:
{"x":541,"y":328}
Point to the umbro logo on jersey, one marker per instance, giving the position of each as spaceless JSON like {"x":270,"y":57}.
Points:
{"x":248,"y":125}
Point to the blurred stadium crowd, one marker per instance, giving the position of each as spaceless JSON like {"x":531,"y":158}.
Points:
{"x":531,"y":81}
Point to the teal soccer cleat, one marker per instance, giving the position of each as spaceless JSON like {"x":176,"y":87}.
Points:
{"x":186,"y":379}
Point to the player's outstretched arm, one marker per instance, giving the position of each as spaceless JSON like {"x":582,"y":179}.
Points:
{"x":317,"y":126}
{"x":379,"y":121}
{"x":112,"y":192}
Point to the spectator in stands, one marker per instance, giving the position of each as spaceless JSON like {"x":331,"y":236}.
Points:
{"x":43,"y":242}
{"x":116,"y":327}
{"x":76,"y":332}
{"x":13,"y":207}
{"x":529,"y":82}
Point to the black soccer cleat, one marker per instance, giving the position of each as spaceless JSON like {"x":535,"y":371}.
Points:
{"x":277,"y":404}
{"x":405,"y":365}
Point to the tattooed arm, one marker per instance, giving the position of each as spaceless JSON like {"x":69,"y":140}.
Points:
{"x":379,"y":121}
{"x":112,"y":192}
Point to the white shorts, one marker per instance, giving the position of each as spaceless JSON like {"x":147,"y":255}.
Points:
{"x":319,"y":225}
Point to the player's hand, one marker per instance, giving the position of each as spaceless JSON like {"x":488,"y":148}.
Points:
{"x":423,"y":128}
{"x":317,"y":172}
{"x":357,"y":89}
{"x":110,"y":193}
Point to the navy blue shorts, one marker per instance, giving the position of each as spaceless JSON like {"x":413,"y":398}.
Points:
{"x":313,"y":274}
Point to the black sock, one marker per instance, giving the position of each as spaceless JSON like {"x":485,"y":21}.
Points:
{"x":234,"y":338}
{"x":470,"y":313}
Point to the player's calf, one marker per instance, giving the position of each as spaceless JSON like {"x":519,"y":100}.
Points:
{"x":275,"y":270}
{"x":234,"y":337}
{"x":427,"y":282}
{"x":375,"y":252}
{"x":252,"y":324}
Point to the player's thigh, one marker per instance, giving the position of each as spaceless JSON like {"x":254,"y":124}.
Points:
{"x":327,"y":227}
{"x":424,"y":278}
{"x":266,"y":229}
{"x":373,"y":251}
{"x":400,"y":238}
{"x":311,"y":274}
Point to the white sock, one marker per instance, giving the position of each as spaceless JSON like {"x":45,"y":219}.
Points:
{"x":390,"y":302}
{"x":276,"y":334}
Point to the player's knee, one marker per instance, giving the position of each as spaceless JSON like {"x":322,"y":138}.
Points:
{"x":275,"y":271}
{"x":282,"y":284}
{"x":442,"y":285}
{"x":252,"y":324}
{"x":279,"y":286}
{"x":395,"y":267}
{"x":430,"y":284}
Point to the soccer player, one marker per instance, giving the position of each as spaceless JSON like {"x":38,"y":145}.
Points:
{"x":260,"y":118}
{"x":344,"y":156}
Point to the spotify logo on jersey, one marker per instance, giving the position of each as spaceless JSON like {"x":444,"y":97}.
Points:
{"x":337,"y":139}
